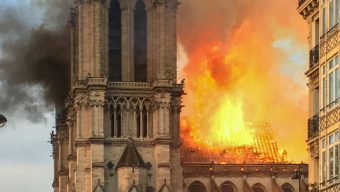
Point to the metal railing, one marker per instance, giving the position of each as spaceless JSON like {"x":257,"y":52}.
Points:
{"x":313,"y":126}
{"x":314,"y":56}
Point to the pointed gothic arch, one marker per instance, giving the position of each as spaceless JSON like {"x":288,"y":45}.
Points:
{"x":140,"y":42}
{"x":164,"y":188}
{"x":287,"y":188}
{"x":258,"y":187}
{"x":133,"y":189}
{"x":99,"y":187}
{"x":228,"y":187}
{"x":115,"y":42}
{"x":197,"y":186}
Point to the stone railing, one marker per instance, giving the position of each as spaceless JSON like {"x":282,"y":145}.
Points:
{"x":314,"y":56}
{"x":331,"y":42}
{"x":191,"y":169}
{"x":127,"y":85}
{"x":313,"y":126}
{"x":332,"y":188}
{"x":301,"y":2}
{"x":329,"y":119}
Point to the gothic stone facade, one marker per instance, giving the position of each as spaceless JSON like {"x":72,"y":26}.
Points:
{"x":110,"y":104}
{"x":119,"y":128}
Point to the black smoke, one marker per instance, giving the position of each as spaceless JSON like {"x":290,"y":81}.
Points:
{"x":34,"y":56}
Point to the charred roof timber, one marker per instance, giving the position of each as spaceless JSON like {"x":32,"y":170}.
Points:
{"x":3,"y":120}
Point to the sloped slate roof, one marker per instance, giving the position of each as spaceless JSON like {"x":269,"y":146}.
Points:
{"x":131,"y":157}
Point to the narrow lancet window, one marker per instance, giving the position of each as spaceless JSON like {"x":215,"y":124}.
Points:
{"x":145,"y":122}
{"x":115,"y":43}
{"x":138,"y":121}
{"x":140,"y":31}
{"x":119,"y":121}
{"x":112,"y":122}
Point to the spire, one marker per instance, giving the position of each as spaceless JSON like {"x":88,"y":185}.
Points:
{"x":131,"y":157}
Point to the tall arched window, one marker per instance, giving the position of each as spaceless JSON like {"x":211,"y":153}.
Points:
{"x":196,"y":187}
{"x":140,"y":30}
{"x":115,"y":42}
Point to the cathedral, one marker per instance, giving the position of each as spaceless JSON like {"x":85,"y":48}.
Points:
{"x":119,"y":130}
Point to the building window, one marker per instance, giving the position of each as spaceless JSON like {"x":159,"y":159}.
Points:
{"x":140,"y":41}
{"x":258,"y":188}
{"x":196,"y":187}
{"x":228,"y":187}
{"x":330,"y":83}
{"x":331,"y":163}
{"x":330,"y":158}
{"x":333,"y":80}
{"x":115,"y":42}
{"x":324,"y":87}
{"x":119,"y":121}
{"x":324,"y":20}
{"x":138,"y":119}
{"x":141,"y":122}
{"x":145,"y":122}
{"x":113,"y":121}
{"x":333,"y":13}
{"x":116,"y":122}
{"x":316,"y":32}
{"x":287,"y":187}
{"x":323,"y":167}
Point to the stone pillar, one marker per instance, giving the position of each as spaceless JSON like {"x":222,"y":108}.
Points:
{"x":170,"y":36}
{"x":75,"y":70}
{"x":160,"y":39}
{"x":150,"y":11}
{"x":163,"y":44}
{"x":162,"y":156}
{"x":89,"y":40}
{"x":97,"y":130}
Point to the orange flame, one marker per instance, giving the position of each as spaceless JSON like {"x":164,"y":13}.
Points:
{"x":244,"y":72}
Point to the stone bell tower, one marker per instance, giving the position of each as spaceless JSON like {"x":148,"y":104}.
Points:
{"x":120,"y":126}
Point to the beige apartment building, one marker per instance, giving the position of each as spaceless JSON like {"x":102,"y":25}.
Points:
{"x":322,"y":17}
{"x":119,"y":129}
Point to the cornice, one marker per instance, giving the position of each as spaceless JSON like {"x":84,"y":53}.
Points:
{"x":308,"y":7}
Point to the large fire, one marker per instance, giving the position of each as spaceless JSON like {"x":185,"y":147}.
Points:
{"x":240,"y":73}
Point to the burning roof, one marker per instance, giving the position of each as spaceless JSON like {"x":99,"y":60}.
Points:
{"x":262,"y":149}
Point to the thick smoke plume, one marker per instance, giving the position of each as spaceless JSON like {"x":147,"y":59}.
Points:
{"x":246,"y":63}
{"x":34,"y":56}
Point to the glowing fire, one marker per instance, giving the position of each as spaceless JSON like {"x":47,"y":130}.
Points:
{"x":222,"y":117}
{"x":240,"y":75}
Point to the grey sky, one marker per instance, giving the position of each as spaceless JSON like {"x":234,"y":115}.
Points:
{"x":25,"y":161}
